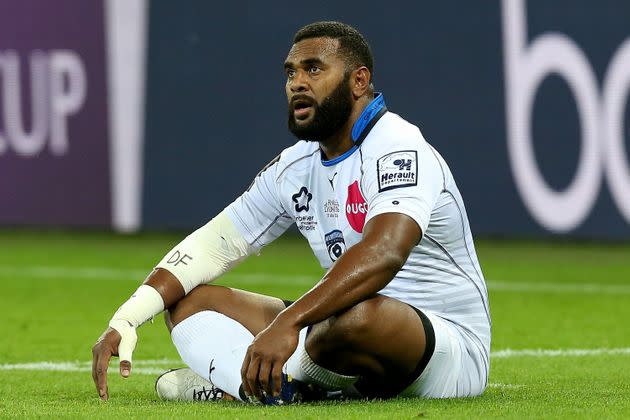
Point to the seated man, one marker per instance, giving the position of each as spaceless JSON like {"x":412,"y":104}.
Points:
{"x":403,"y":306}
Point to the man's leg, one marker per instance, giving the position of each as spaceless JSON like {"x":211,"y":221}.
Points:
{"x":382,"y":340}
{"x":385,"y":342}
{"x":252,"y":310}
{"x":212,"y":328}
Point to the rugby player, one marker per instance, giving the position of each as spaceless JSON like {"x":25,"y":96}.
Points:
{"x":402,"y":308}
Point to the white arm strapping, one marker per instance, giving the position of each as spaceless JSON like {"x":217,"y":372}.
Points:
{"x":201,"y":257}
{"x":207,"y":253}
{"x":143,"y":305}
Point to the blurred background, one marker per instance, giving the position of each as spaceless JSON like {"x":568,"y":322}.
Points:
{"x":126,"y":123}
{"x":134,"y":115}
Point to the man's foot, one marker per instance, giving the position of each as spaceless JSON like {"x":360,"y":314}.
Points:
{"x":290,"y":392}
{"x":185,"y":385}
{"x":294,"y":391}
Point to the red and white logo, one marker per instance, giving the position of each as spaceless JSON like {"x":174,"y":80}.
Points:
{"x":356,"y":207}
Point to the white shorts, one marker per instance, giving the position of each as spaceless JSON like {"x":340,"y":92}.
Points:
{"x":451,"y":371}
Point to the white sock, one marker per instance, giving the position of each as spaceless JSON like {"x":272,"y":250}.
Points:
{"x":210,"y":340}
{"x":301,"y":367}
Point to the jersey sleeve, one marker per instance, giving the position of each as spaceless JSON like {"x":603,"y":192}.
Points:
{"x":258,"y":213}
{"x":406,"y":178}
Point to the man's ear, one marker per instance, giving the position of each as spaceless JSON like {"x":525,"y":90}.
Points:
{"x":360,"y":81}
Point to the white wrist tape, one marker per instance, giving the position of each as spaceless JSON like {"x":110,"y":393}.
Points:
{"x":207,"y":253}
{"x":128,"y":339}
{"x":143,"y":305}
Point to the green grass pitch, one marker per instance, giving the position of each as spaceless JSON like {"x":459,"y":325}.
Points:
{"x":561,"y":340}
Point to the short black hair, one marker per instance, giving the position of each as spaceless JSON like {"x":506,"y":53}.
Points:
{"x":352,"y":44}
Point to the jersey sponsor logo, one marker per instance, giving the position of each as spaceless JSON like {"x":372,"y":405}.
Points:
{"x":302,"y":199}
{"x":397,"y":169}
{"x":306,"y":223}
{"x":335,"y":243}
{"x":356,"y":207}
{"x":331,"y":208}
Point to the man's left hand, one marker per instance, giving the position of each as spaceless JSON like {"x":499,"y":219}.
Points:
{"x":265,"y":358}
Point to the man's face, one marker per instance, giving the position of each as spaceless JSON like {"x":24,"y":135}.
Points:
{"x":318,"y":89}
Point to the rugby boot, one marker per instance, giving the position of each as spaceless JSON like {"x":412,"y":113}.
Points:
{"x":185,"y":385}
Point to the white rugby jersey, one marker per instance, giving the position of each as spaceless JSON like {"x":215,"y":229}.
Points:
{"x":391,"y":168}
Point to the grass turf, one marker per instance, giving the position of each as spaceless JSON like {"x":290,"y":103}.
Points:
{"x":58,"y":290}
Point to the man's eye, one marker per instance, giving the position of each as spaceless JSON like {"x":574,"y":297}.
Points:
{"x":314,"y":70}
{"x":290,"y":73}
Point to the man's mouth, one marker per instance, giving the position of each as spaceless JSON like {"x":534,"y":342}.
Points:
{"x":301,"y":108}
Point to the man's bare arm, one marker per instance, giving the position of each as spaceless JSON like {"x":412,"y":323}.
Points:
{"x":361,"y":272}
{"x":201,"y":257}
{"x":167,"y":286}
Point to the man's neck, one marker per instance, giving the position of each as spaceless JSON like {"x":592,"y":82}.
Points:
{"x":341,"y":141}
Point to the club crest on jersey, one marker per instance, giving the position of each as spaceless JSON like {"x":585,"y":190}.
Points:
{"x":302,"y":199}
{"x":397,"y":169}
{"x":356,"y":207}
{"x":335,"y":243}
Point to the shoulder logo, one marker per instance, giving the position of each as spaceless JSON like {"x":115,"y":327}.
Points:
{"x":356,"y":207}
{"x":397,"y":169}
{"x":302,"y":199}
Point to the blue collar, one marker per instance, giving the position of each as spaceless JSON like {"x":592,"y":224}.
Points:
{"x":367,"y":115}
{"x":362,"y":126}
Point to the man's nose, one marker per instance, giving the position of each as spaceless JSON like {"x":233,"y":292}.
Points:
{"x":298,"y":82}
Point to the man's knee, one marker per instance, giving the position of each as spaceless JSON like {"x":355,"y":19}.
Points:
{"x":199,"y":299}
{"x":254,"y":311}
{"x":344,"y":332}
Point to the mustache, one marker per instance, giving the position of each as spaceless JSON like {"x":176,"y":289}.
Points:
{"x":302,"y":99}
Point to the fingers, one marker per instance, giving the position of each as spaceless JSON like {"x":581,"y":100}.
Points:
{"x":128,"y":340}
{"x":251,"y":378}
{"x":125,"y":368}
{"x":125,"y":352}
{"x":261,"y":377}
{"x":100,"y":361}
{"x":264,"y":373}
{"x":244,"y":368}
{"x":276,"y":379}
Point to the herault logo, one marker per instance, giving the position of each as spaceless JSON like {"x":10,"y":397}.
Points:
{"x":356,"y":207}
{"x":397,"y":169}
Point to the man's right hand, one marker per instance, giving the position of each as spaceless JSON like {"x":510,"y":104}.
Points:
{"x":120,"y":338}
{"x":109,"y":344}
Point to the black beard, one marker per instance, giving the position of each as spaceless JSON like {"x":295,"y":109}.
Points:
{"x":329,"y":116}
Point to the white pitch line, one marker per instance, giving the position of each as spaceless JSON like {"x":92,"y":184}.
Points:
{"x":85,"y":367}
{"x":509,"y":353}
{"x":141,"y":367}
{"x":588,"y":288}
{"x":154,"y":367}
{"x":136,"y":275}
{"x":87,"y":273}
{"x":505,"y":386}
{"x":74,"y":367}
